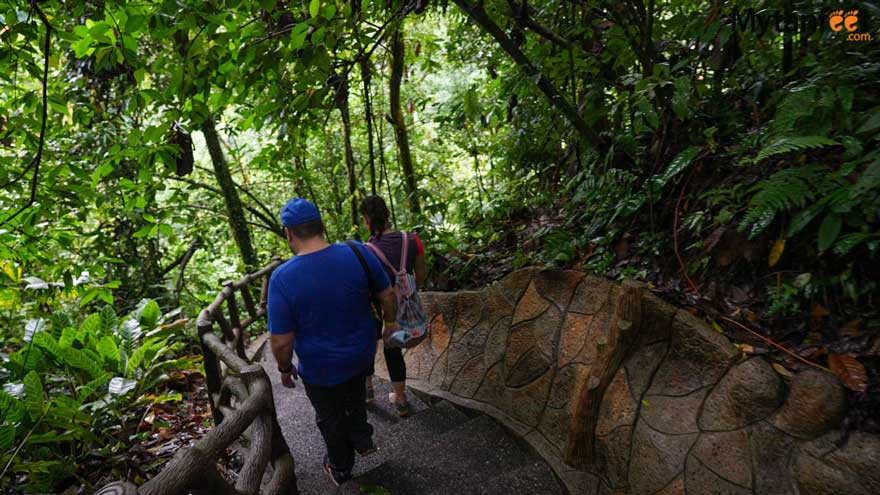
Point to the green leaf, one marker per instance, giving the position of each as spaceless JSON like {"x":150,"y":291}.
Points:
{"x":34,"y":397}
{"x":7,"y":437}
{"x":829,"y":230}
{"x":869,"y":179}
{"x":11,"y":408}
{"x":314,"y":8}
{"x":80,"y":360}
{"x":803,"y":218}
{"x":872,"y":124}
{"x":68,"y":335}
{"x":848,"y":242}
{"x":677,"y":165}
{"x":90,"y":327}
{"x":789,"y":144}
{"x":91,"y":387}
{"x":108,"y":349}
{"x":149,"y":314}
{"x":45,"y":341}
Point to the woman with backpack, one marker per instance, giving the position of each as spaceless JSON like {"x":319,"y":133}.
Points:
{"x":391,"y":247}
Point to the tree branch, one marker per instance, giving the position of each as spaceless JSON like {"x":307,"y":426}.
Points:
{"x":35,"y":162}
{"x":557,"y":100}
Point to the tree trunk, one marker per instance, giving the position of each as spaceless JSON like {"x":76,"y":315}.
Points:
{"x":366,"y":75}
{"x":400,"y":134}
{"x":553,"y":95}
{"x":342,"y":104}
{"x":234,"y":209}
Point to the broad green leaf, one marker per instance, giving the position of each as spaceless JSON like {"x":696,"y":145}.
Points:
{"x":149,"y":314}
{"x":803,"y":218}
{"x":90,"y":327}
{"x":68,"y":335}
{"x":81,"y":361}
{"x":314,"y":8}
{"x":34,"y":397}
{"x":678,"y":164}
{"x":829,"y":230}
{"x":7,"y":436}
{"x":45,"y":341}
{"x":108,"y":349}
{"x":92,"y":387}
{"x":26,"y":358}
{"x":871,"y":124}
{"x":869,"y":180}
{"x":10,"y":407}
{"x":848,"y":242}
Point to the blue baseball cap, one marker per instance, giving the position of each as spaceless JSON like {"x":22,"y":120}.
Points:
{"x":298,"y":211}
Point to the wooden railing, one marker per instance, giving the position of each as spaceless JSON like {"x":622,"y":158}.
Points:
{"x":241,"y":401}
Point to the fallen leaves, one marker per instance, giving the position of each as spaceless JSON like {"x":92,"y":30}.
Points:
{"x":782,"y":370}
{"x":849,"y":370}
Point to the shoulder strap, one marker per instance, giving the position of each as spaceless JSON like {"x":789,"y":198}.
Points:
{"x":363,"y":263}
{"x":403,"y":252}
{"x":379,"y":254}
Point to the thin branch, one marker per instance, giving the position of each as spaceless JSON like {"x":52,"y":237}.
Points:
{"x":774,"y":344}
{"x":35,"y":162}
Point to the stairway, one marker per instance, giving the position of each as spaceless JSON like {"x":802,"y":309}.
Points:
{"x":438,"y":450}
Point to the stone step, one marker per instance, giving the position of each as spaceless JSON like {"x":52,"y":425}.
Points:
{"x":461,"y":461}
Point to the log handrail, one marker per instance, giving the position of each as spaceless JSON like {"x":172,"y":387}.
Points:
{"x":228,"y":375}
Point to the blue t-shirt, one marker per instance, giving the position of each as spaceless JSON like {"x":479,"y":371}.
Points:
{"x":323,"y":297}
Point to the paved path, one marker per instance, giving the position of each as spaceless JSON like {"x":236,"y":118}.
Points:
{"x":438,"y":450}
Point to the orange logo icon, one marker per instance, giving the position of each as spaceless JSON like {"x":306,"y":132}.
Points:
{"x":838,"y":20}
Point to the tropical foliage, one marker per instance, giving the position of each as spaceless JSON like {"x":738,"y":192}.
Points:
{"x":727,"y":159}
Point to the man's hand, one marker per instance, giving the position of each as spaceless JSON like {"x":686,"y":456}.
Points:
{"x":289,"y":379}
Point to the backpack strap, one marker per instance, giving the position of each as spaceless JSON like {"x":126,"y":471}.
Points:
{"x":379,"y":254}
{"x":403,"y":252}
{"x":377,"y":309}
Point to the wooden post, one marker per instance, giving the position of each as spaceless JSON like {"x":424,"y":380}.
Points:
{"x":212,"y":366}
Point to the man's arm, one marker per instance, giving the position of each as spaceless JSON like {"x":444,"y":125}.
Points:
{"x":282,"y":349}
{"x":388,"y":301}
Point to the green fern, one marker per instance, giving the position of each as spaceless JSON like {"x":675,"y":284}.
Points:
{"x":788,"y":144}
{"x":795,"y":105}
{"x":781,"y":192}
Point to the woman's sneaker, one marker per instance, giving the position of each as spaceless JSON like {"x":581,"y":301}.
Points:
{"x":402,"y":408}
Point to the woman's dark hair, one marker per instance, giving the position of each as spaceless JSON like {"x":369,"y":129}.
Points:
{"x":375,"y":209}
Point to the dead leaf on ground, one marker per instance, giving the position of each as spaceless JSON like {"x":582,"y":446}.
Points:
{"x":850,"y":371}
{"x":782,"y":370}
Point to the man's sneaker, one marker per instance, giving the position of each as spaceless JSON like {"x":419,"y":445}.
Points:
{"x":336,"y":477}
{"x":403,"y":410}
{"x":366,"y":450}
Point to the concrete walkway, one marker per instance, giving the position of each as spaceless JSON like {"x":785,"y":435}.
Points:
{"x":438,"y":450}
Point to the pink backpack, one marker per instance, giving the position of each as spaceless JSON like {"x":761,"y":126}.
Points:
{"x":411,"y":315}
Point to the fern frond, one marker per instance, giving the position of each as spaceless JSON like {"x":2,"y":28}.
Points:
{"x":788,"y":144}
{"x":783,"y":191}
{"x":795,"y":105}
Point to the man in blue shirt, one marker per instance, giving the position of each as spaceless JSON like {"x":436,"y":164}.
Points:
{"x":320,"y":304}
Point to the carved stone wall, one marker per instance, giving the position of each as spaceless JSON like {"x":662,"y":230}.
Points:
{"x":662,"y":405}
